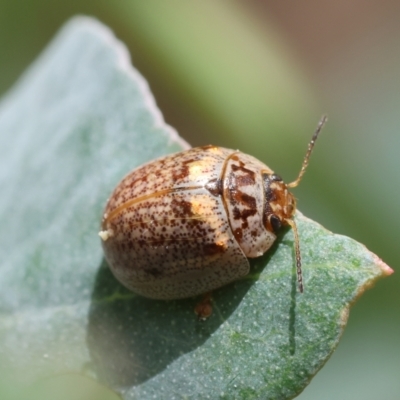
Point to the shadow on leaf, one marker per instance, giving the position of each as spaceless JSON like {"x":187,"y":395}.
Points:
{"x":132,"y":338}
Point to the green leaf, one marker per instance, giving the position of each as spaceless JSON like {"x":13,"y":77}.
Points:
{"x":76,"y":123}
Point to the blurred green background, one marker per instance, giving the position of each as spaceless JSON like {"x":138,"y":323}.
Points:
{"x":257,"y":75}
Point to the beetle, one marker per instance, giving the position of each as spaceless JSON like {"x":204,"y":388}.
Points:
{"x":187,"y":223}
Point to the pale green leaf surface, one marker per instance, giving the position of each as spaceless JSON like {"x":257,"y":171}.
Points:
{"x":78,"y":121}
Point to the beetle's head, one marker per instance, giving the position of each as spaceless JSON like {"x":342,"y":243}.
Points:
{"x":280,"y":204}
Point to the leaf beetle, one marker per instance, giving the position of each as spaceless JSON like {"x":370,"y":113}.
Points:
{"x":186,"y":224}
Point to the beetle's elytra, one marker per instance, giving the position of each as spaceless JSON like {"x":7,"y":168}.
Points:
{"x":187,"y":223}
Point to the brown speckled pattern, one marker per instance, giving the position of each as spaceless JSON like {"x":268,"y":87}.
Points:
{"x":171,"y":237}
{"x":244,"y":196}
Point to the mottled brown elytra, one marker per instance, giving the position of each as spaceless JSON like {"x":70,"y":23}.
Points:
{"x":186,"y":224}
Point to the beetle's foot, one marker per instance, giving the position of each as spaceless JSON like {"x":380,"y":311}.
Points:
{"x":204,"y":308}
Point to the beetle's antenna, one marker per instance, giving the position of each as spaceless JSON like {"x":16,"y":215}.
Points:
{"x":321,"y":123}
{"x":291,"y":222}
{"x":297,"y":253}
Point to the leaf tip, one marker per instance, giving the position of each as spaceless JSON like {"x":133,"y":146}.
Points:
{"x":386,"y":270}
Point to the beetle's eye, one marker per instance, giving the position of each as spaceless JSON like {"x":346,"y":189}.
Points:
{"x":275,"y":222}
{"x":275,"y":177}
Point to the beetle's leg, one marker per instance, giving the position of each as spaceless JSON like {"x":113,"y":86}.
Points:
{"x":204,"y":308}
